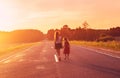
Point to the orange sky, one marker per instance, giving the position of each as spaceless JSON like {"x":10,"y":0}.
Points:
{"x":46,"y":14}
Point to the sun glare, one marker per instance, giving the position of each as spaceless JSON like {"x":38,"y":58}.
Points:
{"x":46,"y":14}
{"x":7,"y":16}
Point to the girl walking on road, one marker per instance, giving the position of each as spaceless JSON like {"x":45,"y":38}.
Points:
{"x":58,"y":43}
{"x":66,"y":48}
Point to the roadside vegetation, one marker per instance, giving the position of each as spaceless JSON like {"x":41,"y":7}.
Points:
{"x":113,"y":45}
{"x":8,"y":48}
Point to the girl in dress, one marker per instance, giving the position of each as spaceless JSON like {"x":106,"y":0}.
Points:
{"x":66,"y":48}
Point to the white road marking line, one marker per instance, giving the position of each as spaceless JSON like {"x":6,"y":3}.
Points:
{"x":7,"y":61}
{"x":102,"y":53}
{"x":56,"y":59}
{"x":19,"y":55}
{"x":14,"y":55}
{"x":6,"y":58}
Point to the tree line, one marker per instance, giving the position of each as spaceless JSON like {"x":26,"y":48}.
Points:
{"x":21,"y":36}
{"x":85,"y":33}
{"x":31,"y":35}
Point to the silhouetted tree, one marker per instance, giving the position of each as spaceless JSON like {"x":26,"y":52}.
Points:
{"x":85,"y":25}
{"x":114,"y":31}
{"x":85,"y":33}
{"x":50,"y":34}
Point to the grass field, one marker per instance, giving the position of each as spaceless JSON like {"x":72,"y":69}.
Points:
{"x":113,"y":45}
{"x":7,"y":48}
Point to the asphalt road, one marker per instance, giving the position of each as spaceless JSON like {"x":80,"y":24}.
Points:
{"x":38,"y":62}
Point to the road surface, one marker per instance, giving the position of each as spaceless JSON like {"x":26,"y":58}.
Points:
{"x":38,"y":61}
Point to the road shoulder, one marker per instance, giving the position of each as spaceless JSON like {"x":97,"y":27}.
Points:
{"x":108,"y":52}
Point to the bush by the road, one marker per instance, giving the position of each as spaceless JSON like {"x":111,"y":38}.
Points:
{"x":106,"y":38}
{"x":113,"y":45}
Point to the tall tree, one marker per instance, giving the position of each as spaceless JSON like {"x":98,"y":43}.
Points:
{"x":85,"y":25}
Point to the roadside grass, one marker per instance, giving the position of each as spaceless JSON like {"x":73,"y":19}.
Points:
{"x":8,"y":48}
{"x":113,"y":45}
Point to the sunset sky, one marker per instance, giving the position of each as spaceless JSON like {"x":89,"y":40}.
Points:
{"x":47,"y":14}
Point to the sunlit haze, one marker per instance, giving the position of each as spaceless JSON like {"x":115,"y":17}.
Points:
{"x":47,"y":14}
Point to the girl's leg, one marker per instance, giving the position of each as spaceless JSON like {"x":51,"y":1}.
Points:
{"x":65,"y":57}
{"x":68,"y":56}
{"x":58,"y":53}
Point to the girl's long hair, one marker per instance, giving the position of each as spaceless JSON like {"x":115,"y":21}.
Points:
{"x":56,"y":35}
{"x":66,"y":39}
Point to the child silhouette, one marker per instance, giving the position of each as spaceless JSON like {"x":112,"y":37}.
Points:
{"x":66,"y":49}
